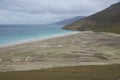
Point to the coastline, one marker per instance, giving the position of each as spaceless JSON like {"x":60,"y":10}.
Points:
{"x":38,"y":39}
{"x":73,"y":49}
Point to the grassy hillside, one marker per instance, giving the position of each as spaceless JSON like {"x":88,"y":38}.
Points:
{"x":107,"y":20}
{"x":103,"y":72}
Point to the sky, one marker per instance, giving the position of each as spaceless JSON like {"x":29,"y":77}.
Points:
{"x":48,"y":11}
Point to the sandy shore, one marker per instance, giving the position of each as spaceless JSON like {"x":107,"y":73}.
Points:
{"x":38,"y":39}
{"x":83,"y":48}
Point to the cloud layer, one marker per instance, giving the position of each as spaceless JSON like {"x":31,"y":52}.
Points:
{"x":47,"y":11}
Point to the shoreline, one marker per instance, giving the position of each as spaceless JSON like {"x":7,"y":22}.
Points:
{"x":38,"y":39}
{"x":70,"y":49}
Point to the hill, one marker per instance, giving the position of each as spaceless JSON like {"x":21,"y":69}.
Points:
{"x":107,"y":20}
{"x":71,"y":20}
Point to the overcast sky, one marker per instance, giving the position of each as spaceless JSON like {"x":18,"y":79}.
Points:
{"x":47,"y":11}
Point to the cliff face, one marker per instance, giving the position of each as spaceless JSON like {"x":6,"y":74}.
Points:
{"x":107,"y":20}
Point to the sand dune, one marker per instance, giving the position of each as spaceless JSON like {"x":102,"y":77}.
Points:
{"x":83,"y":48}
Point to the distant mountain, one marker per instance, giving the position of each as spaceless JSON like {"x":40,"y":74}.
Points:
{"x":107,"y":20}
{"x":71,"y":20}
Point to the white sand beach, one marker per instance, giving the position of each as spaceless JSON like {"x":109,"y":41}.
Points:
{"x":73,"y":49}
{"x":38,"y":39}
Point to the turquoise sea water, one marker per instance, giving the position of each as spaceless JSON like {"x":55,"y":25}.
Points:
{"x":15,"y":33}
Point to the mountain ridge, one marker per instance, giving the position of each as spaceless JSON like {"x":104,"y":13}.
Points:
{"x":70,"y":20}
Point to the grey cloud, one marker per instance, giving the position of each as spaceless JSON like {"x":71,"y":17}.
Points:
{"x":47,"y":11}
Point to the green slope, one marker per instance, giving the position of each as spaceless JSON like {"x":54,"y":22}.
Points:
{"x":100,"y":72}
{"x":107,"y":20}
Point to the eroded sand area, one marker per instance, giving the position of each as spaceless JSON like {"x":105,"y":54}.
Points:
{"x":84,"y":48}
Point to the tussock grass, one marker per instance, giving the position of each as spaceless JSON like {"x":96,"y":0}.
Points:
{"x":99,"y":72}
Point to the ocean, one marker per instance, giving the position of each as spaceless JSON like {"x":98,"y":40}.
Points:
{"x":10,"y":34}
